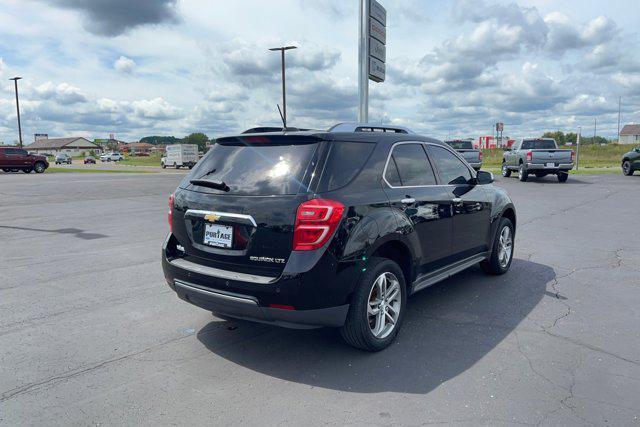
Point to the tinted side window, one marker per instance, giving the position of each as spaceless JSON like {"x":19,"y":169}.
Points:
{"x":10,"y":151}
{"x":451,"y":168}
{"x":412,"y":166}
{"x":344,"y":162}
{"x":21,"y":152}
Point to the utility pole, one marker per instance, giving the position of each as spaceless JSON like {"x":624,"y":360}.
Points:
{"x":284,"y":92}
{"x":619,"y":102}
{"x":578,"y":148}
{"x":595,"y":127}
{"x":15,"y":82}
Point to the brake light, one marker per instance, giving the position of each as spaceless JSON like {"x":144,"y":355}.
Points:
{"x":573,"y":154}
{"x":316,"y":220}
{"x":282,"y":307}
{"x":529,"y":156}
{"x":170,"y":213}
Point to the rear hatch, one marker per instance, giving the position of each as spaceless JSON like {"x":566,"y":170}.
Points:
{"x":236,"y":209}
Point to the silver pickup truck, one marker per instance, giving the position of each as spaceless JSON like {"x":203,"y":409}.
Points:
{"x":539,"y":157}
{"x":466,"y":150}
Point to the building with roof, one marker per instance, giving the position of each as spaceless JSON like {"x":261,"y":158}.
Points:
{"x":74,"y":146}
{"x":140,"y":147}
{"x":630,"y":134}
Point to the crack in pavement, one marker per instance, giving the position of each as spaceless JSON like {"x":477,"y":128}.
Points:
{"x":8,"y":394}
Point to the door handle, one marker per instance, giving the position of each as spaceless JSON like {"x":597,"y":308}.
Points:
{"x":408,"y":201}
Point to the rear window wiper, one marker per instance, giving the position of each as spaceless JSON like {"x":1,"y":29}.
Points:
{"x":218,"y":185}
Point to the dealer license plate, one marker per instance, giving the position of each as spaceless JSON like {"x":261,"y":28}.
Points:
{"x":220,"y":236}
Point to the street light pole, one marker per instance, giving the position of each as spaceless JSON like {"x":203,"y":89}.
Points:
{"x":15,"y":82}
{"x":284,"y":90}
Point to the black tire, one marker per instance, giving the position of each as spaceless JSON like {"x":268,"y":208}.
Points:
{"x":563,"y":176}
{"x":523,"y":175}
{"x":626,"y":168}
{"x":27,"y":170}
{"x":6,"y":170}
{"x":493,"y":265}
{"x":176,"y":166}
{"x":164,"y":166}
{"x":39,"y":167}
{"x":505,"y":170}
{"x":356,"y":330}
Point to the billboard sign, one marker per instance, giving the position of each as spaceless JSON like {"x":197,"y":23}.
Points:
{"x":377,"y":36}
{"x":377,"y":70}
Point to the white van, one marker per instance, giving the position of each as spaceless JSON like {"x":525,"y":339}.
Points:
{"x":180,"y":155}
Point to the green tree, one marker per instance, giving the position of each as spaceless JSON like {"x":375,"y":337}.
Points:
{"x":198,"y":138}
{"x":164,"y":140}
{"x":557,"y":135}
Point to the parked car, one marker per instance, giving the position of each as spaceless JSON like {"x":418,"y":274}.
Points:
{"x":62,"y":158}
{"x":111,"y":157}
{"x":316,"y":229}
{"x":473,"y":156}
{"x":180,"y":155}
{"x":89,"y":160}
{"x":537,"y":156}
{"x":13,"y":159}
{"x":631,"y":161}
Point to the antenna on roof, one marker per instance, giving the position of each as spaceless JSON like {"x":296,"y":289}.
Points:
{"x":284,"y":124}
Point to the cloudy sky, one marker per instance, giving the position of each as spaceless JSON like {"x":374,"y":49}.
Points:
{"x":171,"y":67}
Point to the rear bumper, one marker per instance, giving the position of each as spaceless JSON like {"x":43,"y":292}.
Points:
{"x":247,"y":307}
{"x":542,"y":167}
{"x":317,"y":295}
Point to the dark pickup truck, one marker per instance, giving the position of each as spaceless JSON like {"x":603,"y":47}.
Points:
{"x":14,"y":159}
{"x":539,"y":157}
{"x":465,"y":148}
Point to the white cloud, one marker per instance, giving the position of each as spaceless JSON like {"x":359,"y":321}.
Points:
{"x":63,"y":93}
{"x":124,"y":65}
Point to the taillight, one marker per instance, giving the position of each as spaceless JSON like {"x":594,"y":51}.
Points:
{"x":573,"y":154}
{"x":170,"y":214}
{"x":480,"y":155}
{"x":529,"y":156}
{"x":316,"y":220}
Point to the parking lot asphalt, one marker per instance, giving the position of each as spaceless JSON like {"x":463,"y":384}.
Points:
{"x":91,"y":334}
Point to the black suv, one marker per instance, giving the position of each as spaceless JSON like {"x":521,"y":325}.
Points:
{"x":312,"y":229}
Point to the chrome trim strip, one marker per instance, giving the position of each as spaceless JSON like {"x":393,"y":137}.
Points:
{"x":202,"y":213}
{"x":221,"y":274}
{"x":446,"y":272}
{"x":211,"y":293}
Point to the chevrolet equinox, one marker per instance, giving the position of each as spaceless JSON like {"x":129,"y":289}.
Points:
{"x":334,"y":229}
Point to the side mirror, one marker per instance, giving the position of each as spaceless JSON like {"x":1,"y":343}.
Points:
{"x":484,"y":177}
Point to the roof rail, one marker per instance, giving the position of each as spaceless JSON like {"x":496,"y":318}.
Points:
{"x":368,"y":127}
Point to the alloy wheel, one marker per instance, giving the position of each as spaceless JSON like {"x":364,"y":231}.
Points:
{"x":385,"y":301}
{"x":505,"y":248}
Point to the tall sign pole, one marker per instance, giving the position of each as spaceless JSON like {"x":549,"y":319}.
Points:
{"x":15,"y":81}
{"x":372,"y":52}
{"x":578,"y":148}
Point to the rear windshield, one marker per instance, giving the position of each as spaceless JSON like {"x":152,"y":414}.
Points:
{"x":538,"y":144}
{"x":460,"y":145}
{"x":256,"y":166}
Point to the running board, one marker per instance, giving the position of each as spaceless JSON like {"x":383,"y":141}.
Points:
{"x":443,"y":273}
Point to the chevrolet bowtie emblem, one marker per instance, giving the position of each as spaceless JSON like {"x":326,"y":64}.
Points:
{"x":212,"y":217}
